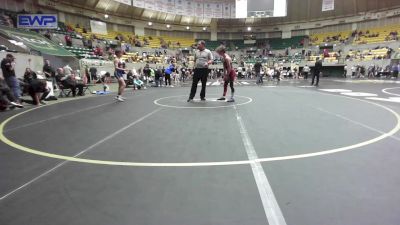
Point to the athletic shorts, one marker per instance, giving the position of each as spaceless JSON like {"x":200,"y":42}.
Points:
{"x":119,"y":75}
{"x":231,"y":76}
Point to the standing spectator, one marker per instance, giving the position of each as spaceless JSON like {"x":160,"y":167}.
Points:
{"x":203,"y":58}
{"x":362,"y":71}
{"x":168,"y":72}
{"x":395,"y":71}
{"x":49,"y":72}
{"x":158,"y":77}
{"x":306,"y":71}
{"x":353,"y":71}
{"x":93,"y":74}
{"x":8,"y":69}
{"x":146,"y":73}
{"x":86,"y":77}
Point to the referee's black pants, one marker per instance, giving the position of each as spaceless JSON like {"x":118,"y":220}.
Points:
{"x":199,"y":74}
{"x":315,"y":75}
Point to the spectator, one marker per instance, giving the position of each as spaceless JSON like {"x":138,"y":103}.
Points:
{"x":49,"y":72}
{"x":6,"y":96}
{"x":68,"y":80}
{"x":306,"y":71}
{"x":93,"y":74}
{"x":68,"y":40}
{"x":137,"y":83}
{"x":98,"y":51}
{"x":395,"y":70}
{"x":36,"y":88}
{"x":158,"y":75}
{"x":48,"y":35}
{"x":168,"y":72}
{"x":86,"y":78}
{"x":8,"y":69}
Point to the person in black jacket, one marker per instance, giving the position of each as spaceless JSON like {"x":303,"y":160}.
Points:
{"x":317,"y":71}
{"x":8,"y":69}
{"x":36,"y":88}
{"x":49,"y":72}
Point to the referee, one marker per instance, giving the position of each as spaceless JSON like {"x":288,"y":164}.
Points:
{"x":203,"y":58}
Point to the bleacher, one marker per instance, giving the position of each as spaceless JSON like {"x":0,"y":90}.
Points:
{"x":331,"y":59}
{"x":275,"y":43}
{"x":318,"y":39}
{"x":82,"y":52}
{"x":153,"y":41}
{"x":383,"y":32}
{"x":134,"y":57}
{"x":280,"y":43}
{"x":230,"y":44}
{"x":368,"y":54}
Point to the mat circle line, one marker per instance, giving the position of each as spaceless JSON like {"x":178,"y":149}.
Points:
{"x":157,"y":102}
{"x":7,"y":141}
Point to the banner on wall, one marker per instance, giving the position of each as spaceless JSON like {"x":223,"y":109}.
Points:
{"x":208,"y":10}
{"x":189,"y":7}
{"x":169,"y":6}
{"x":127,"y":2}
{"x":233,"y":11}
{"x":179,"y":7}
{"x":217,"y":9}
{"x":242,"y":5}
{"x":149,"y":4}
{"x":138,"y":3}
{"x":328,"y":5}
{"x":226,"y":10}
{"x":98,"y":27}
{"x":198,"y":8}
{"x":159,"y":5}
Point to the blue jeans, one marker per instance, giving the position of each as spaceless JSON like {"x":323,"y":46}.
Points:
{"x":13,"y":84}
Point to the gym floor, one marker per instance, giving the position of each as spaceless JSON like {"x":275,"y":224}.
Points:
{"x":281,"y":154}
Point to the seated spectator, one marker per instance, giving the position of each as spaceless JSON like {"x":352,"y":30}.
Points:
{"x":137,"y":83}
{"x":98,"y":51}
{"x":7,"y":99}
{"x":68,"y":40}
{"x":48,"y":35}
{"x":69,"y":81}
{"x":35,"y":87}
